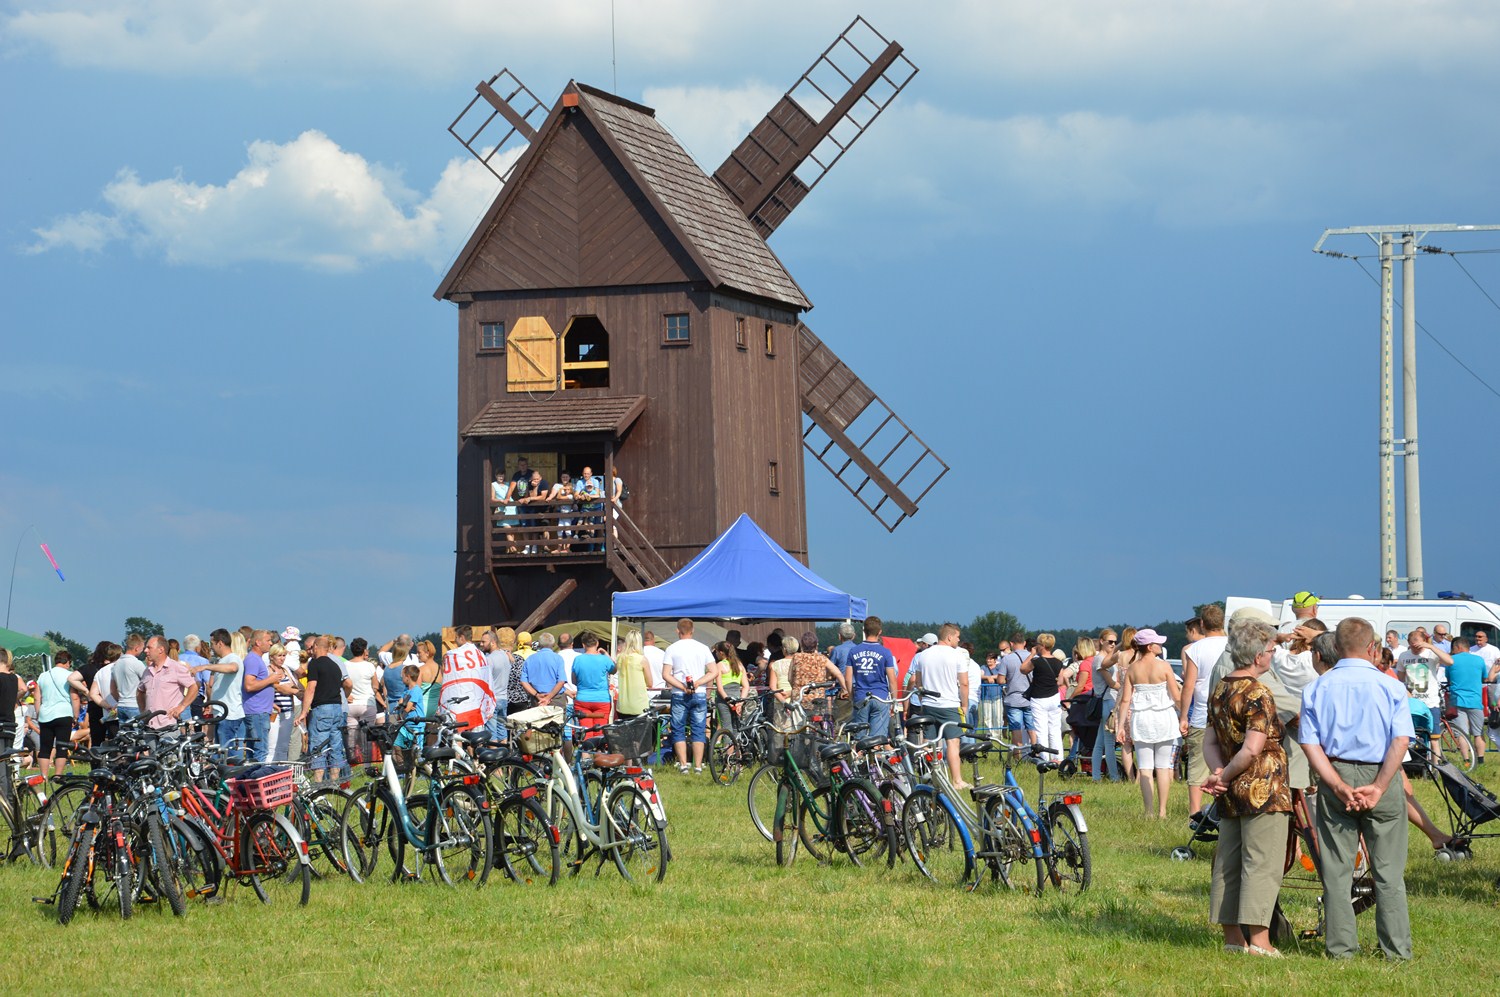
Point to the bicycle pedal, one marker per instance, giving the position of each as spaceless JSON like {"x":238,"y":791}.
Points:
{"x":44,"y":900}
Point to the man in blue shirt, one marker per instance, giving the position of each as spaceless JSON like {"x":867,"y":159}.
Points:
{"x":543,"y":674}
{"x":1466,"y":675}
{"x":869,"y":669}
{"x":1355,"y":728}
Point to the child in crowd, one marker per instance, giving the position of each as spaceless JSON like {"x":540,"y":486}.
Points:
{"x":409,"y":707}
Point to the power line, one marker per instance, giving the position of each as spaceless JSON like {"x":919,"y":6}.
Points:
{"x":1488,"y":387}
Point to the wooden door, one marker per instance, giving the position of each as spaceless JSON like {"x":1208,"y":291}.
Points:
{"x":531,"y":352}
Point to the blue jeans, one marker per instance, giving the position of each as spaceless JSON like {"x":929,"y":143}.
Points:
{"x":877,"y":715}
{"x":1104,"y":745}
{"x":325,"y":737}
{"x":258,"y":728}
{"x":229,"y":731}
{"x":128,"y":712}
{"x":1018,"y":718}
{"x":689,"y":717}
{"x":496,"y":726}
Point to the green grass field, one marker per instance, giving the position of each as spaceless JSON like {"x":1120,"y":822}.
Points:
{"x":727,"y":920}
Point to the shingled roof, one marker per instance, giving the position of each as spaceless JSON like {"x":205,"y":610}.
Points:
{"x":562,"y":415}
{"x":702,"y":216}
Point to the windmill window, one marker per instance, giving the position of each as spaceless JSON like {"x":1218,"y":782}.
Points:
{"x":770,"y":340}
{"x":585,"y":353}
{"x":678,"y":328}
{"x":492,"y":335}
{"x":739,"y":331}
{"x":773,"y":480}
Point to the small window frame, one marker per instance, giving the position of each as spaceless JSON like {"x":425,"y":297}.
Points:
{"x":770,"y":339}
{"x":773,"y":478}
{"x":485,"y":344}
{"x":740,"y":342}
{"x":674,"y":333}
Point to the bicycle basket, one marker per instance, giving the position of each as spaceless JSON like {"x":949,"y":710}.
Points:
{"x":634,"y":738}
{"x":804,"y":749}
{"x":263,"y":792}
{"x":527,"y":729}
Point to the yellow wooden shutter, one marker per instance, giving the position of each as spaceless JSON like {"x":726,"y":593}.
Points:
{"x":531,"y":351}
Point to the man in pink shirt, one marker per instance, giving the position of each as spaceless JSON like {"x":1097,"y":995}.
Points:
{"x":167,"y":684}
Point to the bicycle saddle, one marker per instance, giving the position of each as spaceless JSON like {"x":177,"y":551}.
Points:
{"x":829,"y":752}
{"x":492,"y":756}
{"x":969,"y":752}
{"x":477,"y":736}
{"x":608,"y":761}
{"x":871,"y":741}
{"x":439,"y":754}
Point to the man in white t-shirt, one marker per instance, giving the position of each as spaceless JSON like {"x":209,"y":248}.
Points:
{"x":1198,"y":660}
{"x":655,"y":656}
{"x":943,"y":671}
{"x":689,"y":668}
{"x":227,"y":686}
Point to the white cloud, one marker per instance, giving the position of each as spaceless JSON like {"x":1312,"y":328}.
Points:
{"x":1179,"y":43}
{"x":710,"y":121}
{"x":306,"y":202}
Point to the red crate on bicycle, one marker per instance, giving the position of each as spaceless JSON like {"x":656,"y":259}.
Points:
{"x":262,"y":792}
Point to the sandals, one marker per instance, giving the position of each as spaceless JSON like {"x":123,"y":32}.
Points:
{"x":1268,"y":953}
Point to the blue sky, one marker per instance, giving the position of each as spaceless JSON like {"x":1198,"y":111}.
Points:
{"x":1074,"y":256}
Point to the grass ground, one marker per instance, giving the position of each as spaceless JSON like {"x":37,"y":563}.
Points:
{"x":727,"y":920}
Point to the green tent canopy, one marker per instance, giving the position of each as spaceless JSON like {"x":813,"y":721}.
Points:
{"x":26,"y":646}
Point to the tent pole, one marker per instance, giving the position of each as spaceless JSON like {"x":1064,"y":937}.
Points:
{"x":614,"y":627}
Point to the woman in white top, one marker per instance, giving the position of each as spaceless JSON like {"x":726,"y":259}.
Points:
{"x":365,"y":695}
{"x":1148,"y":705}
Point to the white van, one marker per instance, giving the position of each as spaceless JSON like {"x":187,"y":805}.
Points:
{"x":1463,"y":616}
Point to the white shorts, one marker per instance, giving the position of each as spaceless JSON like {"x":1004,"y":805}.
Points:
{"x":1157,"y":755}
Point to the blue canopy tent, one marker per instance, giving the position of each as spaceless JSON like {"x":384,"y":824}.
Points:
{"x":743,"y":575}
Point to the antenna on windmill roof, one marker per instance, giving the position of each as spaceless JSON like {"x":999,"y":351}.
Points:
{"x":501,"y":96}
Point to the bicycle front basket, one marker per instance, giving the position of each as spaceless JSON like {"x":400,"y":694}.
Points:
{"x":634,"y":738}
{"x":804,"y":748}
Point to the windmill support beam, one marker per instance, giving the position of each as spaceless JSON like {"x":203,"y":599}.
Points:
{"x":858,"y":456}
{"x":540,"y":613}
{"x":757,"y":198}
{"x":499,"y":103}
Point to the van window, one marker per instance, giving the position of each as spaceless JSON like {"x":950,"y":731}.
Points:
{"x":1468,"y":630}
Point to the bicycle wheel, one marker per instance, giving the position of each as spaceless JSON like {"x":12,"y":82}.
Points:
{"x":570,"y":844}
{"x":641,"y":846}
{"x":1299,"y":904}
{"x":77,"y":867}
{"x":1069,"y":863}
{"x":319,"y":819}
{"x":124,"y":865}
{"x":725,"y":759}
{"x":525,"y":841}
{"x":761,"y":798}
{"x":896,"y":793}
{"x":408,"y":867}
{"x":1457,"y":749}
{"x":864,"y":826}
{"x":513,"y":775}
{"x":594,"y":787}
{"x":365,"y":827}
{"x":816,"y":827}
{"x":58,"y":820}
{"x":936,"y":839}
{"x":201,"y":867}
{"x":272,"y":848}
{"x":1021,"y":868}
{"x":785,"y":825}
{"x":165,"y":864}
{"x":462,"y":840}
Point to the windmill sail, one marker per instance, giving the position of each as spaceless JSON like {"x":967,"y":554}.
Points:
{"x":859,"y":439}
{"x":814,"y":124}
{"x":501,"y":96}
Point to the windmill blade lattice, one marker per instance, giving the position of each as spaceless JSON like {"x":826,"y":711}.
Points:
{"x":505,"y":97}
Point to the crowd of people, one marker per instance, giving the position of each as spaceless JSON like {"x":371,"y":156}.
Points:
{"x":537,"y":516}
{"x":1258,"y":711}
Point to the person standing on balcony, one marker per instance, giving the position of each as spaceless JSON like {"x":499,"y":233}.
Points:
{"x":590,"y":493}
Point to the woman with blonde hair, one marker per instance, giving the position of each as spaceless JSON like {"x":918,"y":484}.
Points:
{"x":635,"y":680}
{"x":1048,"y":675}
{"x":1148,"y":709}
{"x":779,"y":680}
{"x":429,"y":677}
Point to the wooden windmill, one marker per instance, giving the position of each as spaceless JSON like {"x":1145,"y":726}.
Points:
{"x":620,"y":308}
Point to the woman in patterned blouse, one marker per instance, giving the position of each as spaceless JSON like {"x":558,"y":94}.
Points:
{"x":1249,"y":775}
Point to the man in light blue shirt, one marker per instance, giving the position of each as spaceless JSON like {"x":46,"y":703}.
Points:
{"x":1355,"y":729}
{"x":543,"y":674}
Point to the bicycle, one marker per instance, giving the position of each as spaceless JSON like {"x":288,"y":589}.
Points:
{"x":628,"y":823}
{"x":732,"y":750}
{"x":1061,"y":845}
{"x":859,"y":822}
{"x":22,"y":799}
{"x":102,"y":841}
{"x":447,"y":825}
{"x":1302,"y":875}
